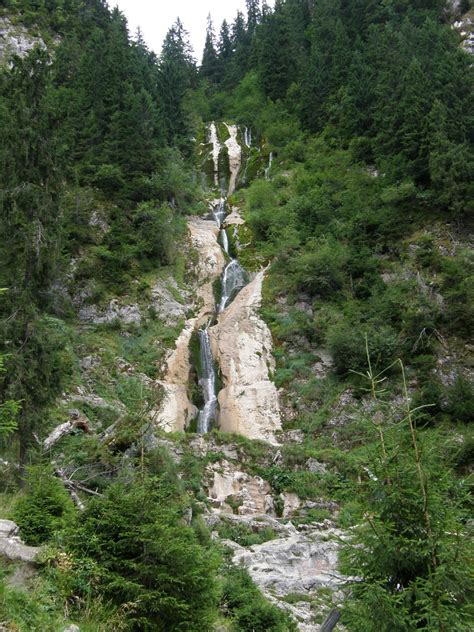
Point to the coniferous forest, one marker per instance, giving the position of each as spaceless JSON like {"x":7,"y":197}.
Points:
{"x":348,"y":125}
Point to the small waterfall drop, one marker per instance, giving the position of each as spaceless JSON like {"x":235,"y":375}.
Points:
{"x":216,"y":150}
{"x":218,"y":211}
{"x":248,"y":137}
{"x":235,"y":156}
{"x":224,"y":240}
{"x":267,"y":170}
{"x":207,"y":382}
{"x":233,"y":280}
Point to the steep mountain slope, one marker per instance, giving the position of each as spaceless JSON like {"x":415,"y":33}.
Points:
{"x":235,"y":327}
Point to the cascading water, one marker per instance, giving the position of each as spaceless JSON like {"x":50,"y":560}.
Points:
{"x":233,"y":277}
{"x":218,"y":211}
{"x":248,"y":137}
{"x":224,"y":240}
{"x":216,"y":150}
{"x":207,"y":382}
{"x":233,"y":280}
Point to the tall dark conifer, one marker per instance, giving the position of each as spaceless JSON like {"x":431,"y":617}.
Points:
{"x":210,"y":63}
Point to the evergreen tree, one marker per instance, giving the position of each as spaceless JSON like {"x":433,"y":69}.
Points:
{"x":146,"y":555}
{"x":176,"y":77}
{"x":210,"y":63}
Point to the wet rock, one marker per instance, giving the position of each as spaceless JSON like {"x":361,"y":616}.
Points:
{"x":176,"y":410}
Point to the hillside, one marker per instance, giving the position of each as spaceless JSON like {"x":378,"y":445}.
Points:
{"x":236,"y":320}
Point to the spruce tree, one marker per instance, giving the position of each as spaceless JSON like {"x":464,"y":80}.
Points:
{"x":210,"y":63}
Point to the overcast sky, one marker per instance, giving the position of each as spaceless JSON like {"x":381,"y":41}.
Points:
{"x":154,"y":17}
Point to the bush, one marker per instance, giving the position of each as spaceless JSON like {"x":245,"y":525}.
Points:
{"x":249,"y":609}
{"x":461,"y":400}
{"x":347,"y":346}
{"x":43,"y":508}
{"x":320,"y":268}
{"x":142,"y":552}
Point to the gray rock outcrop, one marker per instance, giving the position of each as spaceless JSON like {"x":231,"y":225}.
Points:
{"x":15,"y":39}
{"x":12,"y":548}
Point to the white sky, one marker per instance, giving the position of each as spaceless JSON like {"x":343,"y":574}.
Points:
{"x":154,"y":17}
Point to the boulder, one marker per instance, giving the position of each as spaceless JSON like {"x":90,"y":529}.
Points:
{"x":12,"y":548}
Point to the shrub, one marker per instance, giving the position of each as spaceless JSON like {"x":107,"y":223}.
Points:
{"x":249,"y":609}
{"x":43,"y":508}
{"x":346,"y":344}
{"x":146,"y":555}
{"x":320,"y":268}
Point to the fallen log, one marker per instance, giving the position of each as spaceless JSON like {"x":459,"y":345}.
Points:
{"x":331,"y":621}
{"x":77,"y":421}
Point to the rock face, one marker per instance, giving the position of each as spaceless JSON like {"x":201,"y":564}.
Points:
{"x":127,"y":314}
{"x":16,"y":40}
{"x":177,"y":410}
{"x":299,"y":564}
{"x":170,"y":310}
{"x":242,"y":345}
{"x":12,"y":547}
{"x":249,"y":495}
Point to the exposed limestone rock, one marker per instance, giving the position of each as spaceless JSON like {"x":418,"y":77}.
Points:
{"x":168,"y":308}
{"x":242,"y":344}
{"x":256,"y":523}
{"x":296,"y":564}
{"x":15,"y":39}
{"x":12,"y":547}
{"x":177,"y":410}
{"x":231,"y":488}
{"x":291,"y":504}
{"x":127,"y":314}
{"x":234,"y":218}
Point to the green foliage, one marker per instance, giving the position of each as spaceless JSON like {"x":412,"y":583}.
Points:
{"x":145,"y":558}
{"x":346,"y":344}
{"x":409,"y":552}
{"x":319,"y":269}
{"x":247,"y":607}
{"x":44,"y":506}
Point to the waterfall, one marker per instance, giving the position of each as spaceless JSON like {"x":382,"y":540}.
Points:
{"x":224,"y":240}
{"x":248,"y":137}
{"x":218,"y":211}
{"x":233,"y":277}
{"x":267,"y":170}
{"x":207,"y":382}
{"x":233,"y":280}
{"x":235,"y":156}
{"x":216,"y":149}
